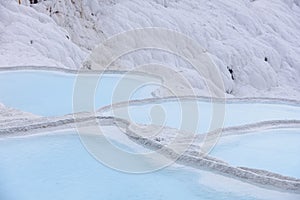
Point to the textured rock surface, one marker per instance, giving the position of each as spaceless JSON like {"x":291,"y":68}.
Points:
{"x":255,"y":44}
{"x":10,"y":114}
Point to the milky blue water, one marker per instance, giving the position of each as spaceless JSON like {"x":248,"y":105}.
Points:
{"x":58,"y":167}
{"x":51,"y":93}
{"x":235,"y":113}
{"x":273,"y":150}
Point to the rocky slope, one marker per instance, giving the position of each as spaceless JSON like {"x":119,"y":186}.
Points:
{"x":254,"y":43}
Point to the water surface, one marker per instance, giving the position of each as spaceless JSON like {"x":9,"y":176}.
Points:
{"x":58,"y":167}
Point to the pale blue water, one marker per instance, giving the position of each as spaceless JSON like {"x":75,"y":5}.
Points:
{"x":58,"y":167}
{"x":273,"y":150}
{"x":235,"y":113}
{"x":51,"y":93}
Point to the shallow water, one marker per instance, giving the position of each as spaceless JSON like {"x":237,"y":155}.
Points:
{"x":235,"y":113}
{"x":58,"y":167}
{"x":47,"y":166}
{"x":273,"y":150}
{"x":51,"y":93}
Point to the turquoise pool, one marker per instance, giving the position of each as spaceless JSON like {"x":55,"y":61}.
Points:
{"x":58,"y":167}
